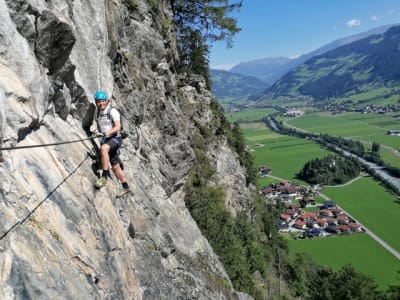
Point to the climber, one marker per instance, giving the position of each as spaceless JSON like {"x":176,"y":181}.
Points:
{"x":109,"y":124}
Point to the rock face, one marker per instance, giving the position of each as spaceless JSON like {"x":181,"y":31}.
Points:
{"x":59,"y":237}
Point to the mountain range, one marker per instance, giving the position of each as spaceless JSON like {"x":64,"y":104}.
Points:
{"x":357,"y":67}
{"x":233,"y":85}
{"x":270,"y":69}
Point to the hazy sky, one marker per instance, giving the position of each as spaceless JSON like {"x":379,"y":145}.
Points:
{"x":272,"y":28}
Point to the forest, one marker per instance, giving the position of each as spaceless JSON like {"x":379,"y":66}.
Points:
{"x":330,"y":170}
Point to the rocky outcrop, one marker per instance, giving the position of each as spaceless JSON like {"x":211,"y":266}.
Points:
{"x":59,"y":237}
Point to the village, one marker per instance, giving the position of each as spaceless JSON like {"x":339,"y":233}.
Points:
{"x":301,"y":214}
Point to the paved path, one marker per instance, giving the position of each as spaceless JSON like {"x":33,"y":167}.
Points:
{"x":369,"y":232}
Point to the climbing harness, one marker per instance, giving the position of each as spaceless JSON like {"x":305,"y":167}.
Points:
{"x":123,"y":133}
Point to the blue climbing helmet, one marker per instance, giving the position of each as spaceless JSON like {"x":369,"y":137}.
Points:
{"x":100,"y":95}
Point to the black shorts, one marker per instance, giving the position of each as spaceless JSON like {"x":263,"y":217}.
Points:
{"x":114,"y":143}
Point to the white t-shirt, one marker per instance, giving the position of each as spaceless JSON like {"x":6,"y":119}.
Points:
{"x":106,"y":119}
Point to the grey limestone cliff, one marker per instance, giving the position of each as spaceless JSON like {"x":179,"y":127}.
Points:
{"x":62,"y":239}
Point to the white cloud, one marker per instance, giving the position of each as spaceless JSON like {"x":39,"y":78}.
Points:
{"x":225,"y":67}
{"x":374,"y":18}
{"x":353,"y":22}
{"x":294,"y":56}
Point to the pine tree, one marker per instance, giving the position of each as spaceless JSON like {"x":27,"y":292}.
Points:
{"x":199,"y":23}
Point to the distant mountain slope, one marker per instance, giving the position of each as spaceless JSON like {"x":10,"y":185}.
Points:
{"x":230,"y":85}
{"x":272,"y":69}
{"x":360,"y":65}
{"x":266,"y":69}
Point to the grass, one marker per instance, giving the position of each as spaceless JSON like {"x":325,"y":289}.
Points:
{"x":360,"y":250}
{"x":250,"y":114}
{"x":372,"y":205}
{"x":376,"y":96}
{"x":389,"y":157}
{"x":265,"y":181}
{"x":364,"y":127}
{"x":285,"y":155}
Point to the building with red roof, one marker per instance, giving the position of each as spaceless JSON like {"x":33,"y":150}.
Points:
{"x":285,"y":217}
{"x":354,"y":227}
{"x":300,"y":224}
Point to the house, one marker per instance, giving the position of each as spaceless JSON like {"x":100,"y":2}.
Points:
{"x":342,"y":220}
{"x":264,"y":171}
{"x":283,"y":226}
{"x":268,"y":191}
{"x":310,"y":223}
{"x":292,"y":213}
{"x":329,"y":204}
{"x":308,"y":216}
{"x":393,"y":132}
{"x":322,"y":223}
{"x":354,"y":227}
{"x":325,"y":213}
{"x":285,"y":217}
{"x":293,"y":113}
{"x":288,"y":192}
{"x":295,"y":207}
{"x":344,"y":229}
{"x":307,"y":201}
{"x":336,"y":211}
{"x":332,"y":228}
{"x":299,"y":224}
{"x":331,"y":220}
{"x":313,"y":232}
{"x":284,"y":182}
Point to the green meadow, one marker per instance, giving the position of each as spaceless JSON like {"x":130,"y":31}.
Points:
{"x":365,"y":199}
{"x":359,"y":250}
{"x":376,"y":96}
{"x":367,"y":127}
{"x":389,"y":157}
{"x":249,"y":114}
{"x":284,"y":154}
{"x":372,"y":205}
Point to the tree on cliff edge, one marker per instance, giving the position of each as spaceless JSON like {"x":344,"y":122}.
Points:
{"x":199,"y":23}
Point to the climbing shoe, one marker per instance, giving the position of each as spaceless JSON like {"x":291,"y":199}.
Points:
{"x":122,"y":192}
{"x":100,"y":182}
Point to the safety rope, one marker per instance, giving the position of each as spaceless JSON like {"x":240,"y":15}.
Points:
{"x":47,"y":145}
{"x":30,"y":213}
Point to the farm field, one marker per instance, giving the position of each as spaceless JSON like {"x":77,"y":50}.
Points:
{"x":389,"y":157}
{"x":366,"y":127}
{"x":372,"y":205}
{"x":250,"y":114}
{"x":286,"y":155}
{"x":360,"y":250}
